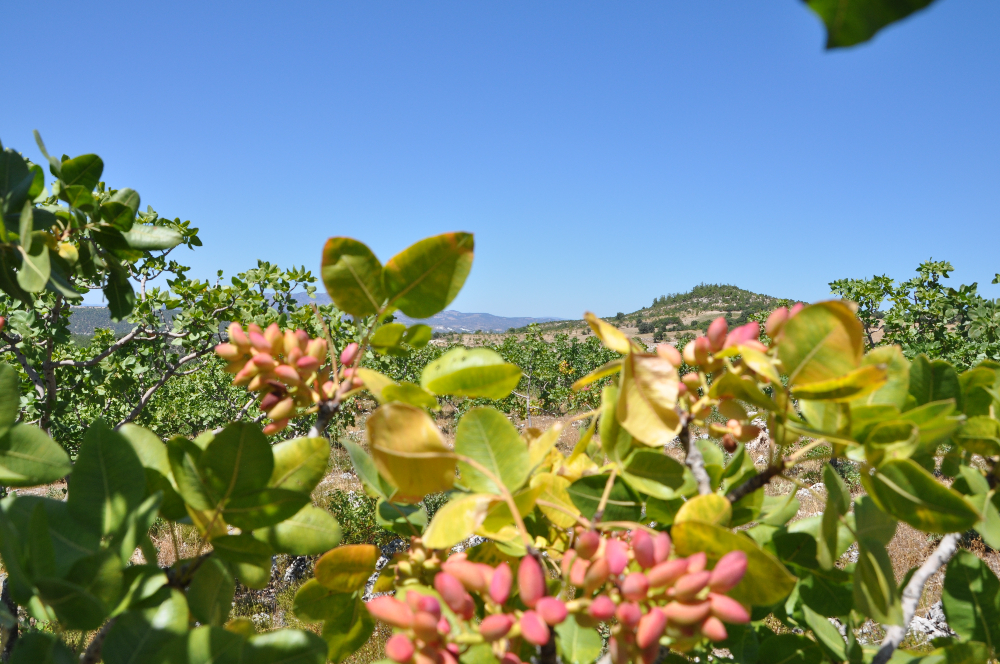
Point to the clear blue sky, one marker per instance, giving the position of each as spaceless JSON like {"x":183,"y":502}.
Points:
{"x":603,"y":153}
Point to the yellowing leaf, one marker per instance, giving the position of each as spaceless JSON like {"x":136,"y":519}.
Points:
{"x":647,"y":398}
{"x":853,"y":385}
{"x":347,"y":568}
{"x":409,"y":452}
{"x":457,"y":520}
{"x":425,"y":277}
{"x":375,"y":383}
{"x":352,"y":276}
{"x":761,"y":363}
{"x":710,"y":508}
{"x":608,"y":369}
{"x":897,"y":369}
{"x":609,"y":335}
{"x":554,"y":491}
{"x":541,"y":446}
{"x":410,"y":393}
{"x":822,"y":342}
{"x":766,"y":582}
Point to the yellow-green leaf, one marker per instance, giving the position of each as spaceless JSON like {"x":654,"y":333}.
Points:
{"x":710,"y":508}
{"x":486,"y":436}
{"x":457,"y":520}
{"x":409,"y":451}
{"x":647,"y":399}
{"x":375,"y":383}
{"x":897,"y":370}
{"x":609,"y":335}
{"x":908,"y":492}
{"x":822,"y":342}
{"x":424,"y":278}
{"x":603,"y":371}
{"x":854,"y":385}
{"x":475,"y":372}
{"x":410,"y":393}
{"x":352,"y":276}
{"x":347,"y":568}
{"x":554,"y":491}
{"x":766,"y":582}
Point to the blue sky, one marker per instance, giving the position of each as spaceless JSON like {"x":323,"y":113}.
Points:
{"x":602,"y":153}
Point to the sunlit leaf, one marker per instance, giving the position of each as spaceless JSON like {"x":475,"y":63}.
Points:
{"x":476,"y":372}
{"x":347,"y":568}
{"x":486,"y":436}
{"x":424,"y":278}
{"x":409,"y":451}
{"x":457,"y":520}
{"x":352,"y":276}
{"x":647,"y":399}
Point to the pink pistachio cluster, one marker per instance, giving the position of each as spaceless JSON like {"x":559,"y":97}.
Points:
{"x":284,"y":367}
{"x":632,"y":583}
{"x":702,"y":352}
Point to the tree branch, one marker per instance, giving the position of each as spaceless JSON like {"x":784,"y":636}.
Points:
{"x":756,"y":482}
{"x":894,"y":634}
{"x":28,"y":369}
{"x":694,"y":459}
{"x":93,"y":653}
{"x":327,"y":409}
{"x":100,"y":356}
{"x":160,"y":383}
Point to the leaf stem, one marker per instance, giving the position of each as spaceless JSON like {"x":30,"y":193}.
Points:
{"x":606,"y":495}
{"x":505,"y":494}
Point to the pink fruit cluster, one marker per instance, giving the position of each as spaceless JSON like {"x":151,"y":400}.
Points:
{"x":631,"y":582}
{"x":651,"y":595}
{"x":286,"y":368}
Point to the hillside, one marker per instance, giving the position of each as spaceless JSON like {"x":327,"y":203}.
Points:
{"x":672,"y":316}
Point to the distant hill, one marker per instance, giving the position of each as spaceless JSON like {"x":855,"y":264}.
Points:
{"x":84,"y":320}
{"x":455,"y":321}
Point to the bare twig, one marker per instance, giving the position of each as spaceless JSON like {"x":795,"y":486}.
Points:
{"x":100,"y":356}
{"x":894,"y":634}
{"x":167,"y":375}
{"x":694,"y":459}
{"x":756,"y":482}
{"x":93,"y":653}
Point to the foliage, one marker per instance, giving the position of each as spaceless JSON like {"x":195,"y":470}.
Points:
{"x":926,"y":316}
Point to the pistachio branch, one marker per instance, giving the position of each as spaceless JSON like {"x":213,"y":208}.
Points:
{"x":606,"y":495}
{"x":894,"y":634}
{"x":694,"y":459}
{"x":757,"y":481}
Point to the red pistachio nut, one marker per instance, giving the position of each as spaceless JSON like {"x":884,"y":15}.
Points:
{"x":597,"y":575}
{"x":229,"y":352}
{"x":530,"y":581}
{"x":616,"y":553}
{"x":714,"y":629}
{"x":743,"y":334}
{"x":533,"y":629}
{"x":391,"y":611}
{"x":444,"y":627}
{"x":689,"y":355}
{"x":684,"y":614}
{"x":702,"y":349}
{"x":692,"y":381}
{"x":307,"y":363}
{"x":349,"y":354}
{"x":666,"y":573}
{"x":635,"y":587}
{"x":451,"y":591}
{"x":670,"y":354}
{"x":748,"y":432}
{"x":728,"y":610}
{"x":697,"y":561}
{"x":553,"y":611}
{"x":661,"y":547}
{"x":510,"y":658}
{"x":284,"y":409}
{"x":728,"y":572}
{"x":428,"y":604}
{"x":399,"y":648}
{"x":587,"y":544}
{"x":275,"y":427}
{"x":776,"y":321}
{"x":796,"y":308}
{"x":259,"y":342}
{"x":602,"y":608}
{"x":689,"y":585}
{"x":425,"y":627}
{"x":500,"y":583}
{"x":628,"y":614}
{"x":578,"y":573}
{"x":469,"y":573}
{"x":238,"y":336}
{"x":287,"y":375}
{"x":650,"y":628}
{"x":495,"y":627}
{"x":729,"y":443}
{"x":643,"y":549}
{"x":716,"y":334}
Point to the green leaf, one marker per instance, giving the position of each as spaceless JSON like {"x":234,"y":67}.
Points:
{"x":211,"y":592}
{"x":476,"y":372}
{"x":238,"y":461}
{"x":315,"y":603}
{"x":907,"y":491}
{"x":486,"y":436}
{"x":743,"y":388}
{"x":43,"y":648}
{"x":874,"y":583}
{"x":352,"y":276}
{"x":457,"y":520}
{"x":779,"y":510}
{"x":404,"y":520}
{"x":139,"y":636}
{"x":152,"y":453}
{"x":827,"y":592}
{"x":264,"y":508}
{"x":411,"y":393}
{"x":191,"y":485}
{"x":934,"y":420}
{"x":84,"y":171}
{"x":388,"y":339}
{"x":70,"y":539}
{"x":418,"y":335}
{"x":28,"y":457}
{"x":152,"y":238}
{"x":857,"y":21}
{"x":248,"y":557}
{"x":824,"y":341}
{"x":347,"y":630}
{"x":300,"y":464}
{"x":838,"y":502}
{"x":578,"y":645}
{"x":309,"y":532}
{"x":285,"y":646}
{"x":623,"y":503}
{"x":897,"y":385}
{"x":766,"y":582}
{"x":409,"y":451}
{"x":10,"y":398}
{"x":108,"y":480}
{"x":980,"y":435}
{"x":656,"y":474}
{"x":424,"y":278}
{"x":826,"y":635}
{"x":934,"y":380}
{"x":347,"y":568}
{"x":709,"y":508}
{"x":118,"y":292}
{"x":853,"y":385}
{"x":374,"y":484}
{"x":971,"y":599}
{"x":35,"y":267}
{"x":790,"y":649}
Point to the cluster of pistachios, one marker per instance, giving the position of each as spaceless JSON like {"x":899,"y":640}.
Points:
{"x":627,"y":580}
{"x":285,"y":368}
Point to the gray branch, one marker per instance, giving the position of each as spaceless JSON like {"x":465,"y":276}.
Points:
{"x":894,"y":634}
{"x":694,"y":459}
